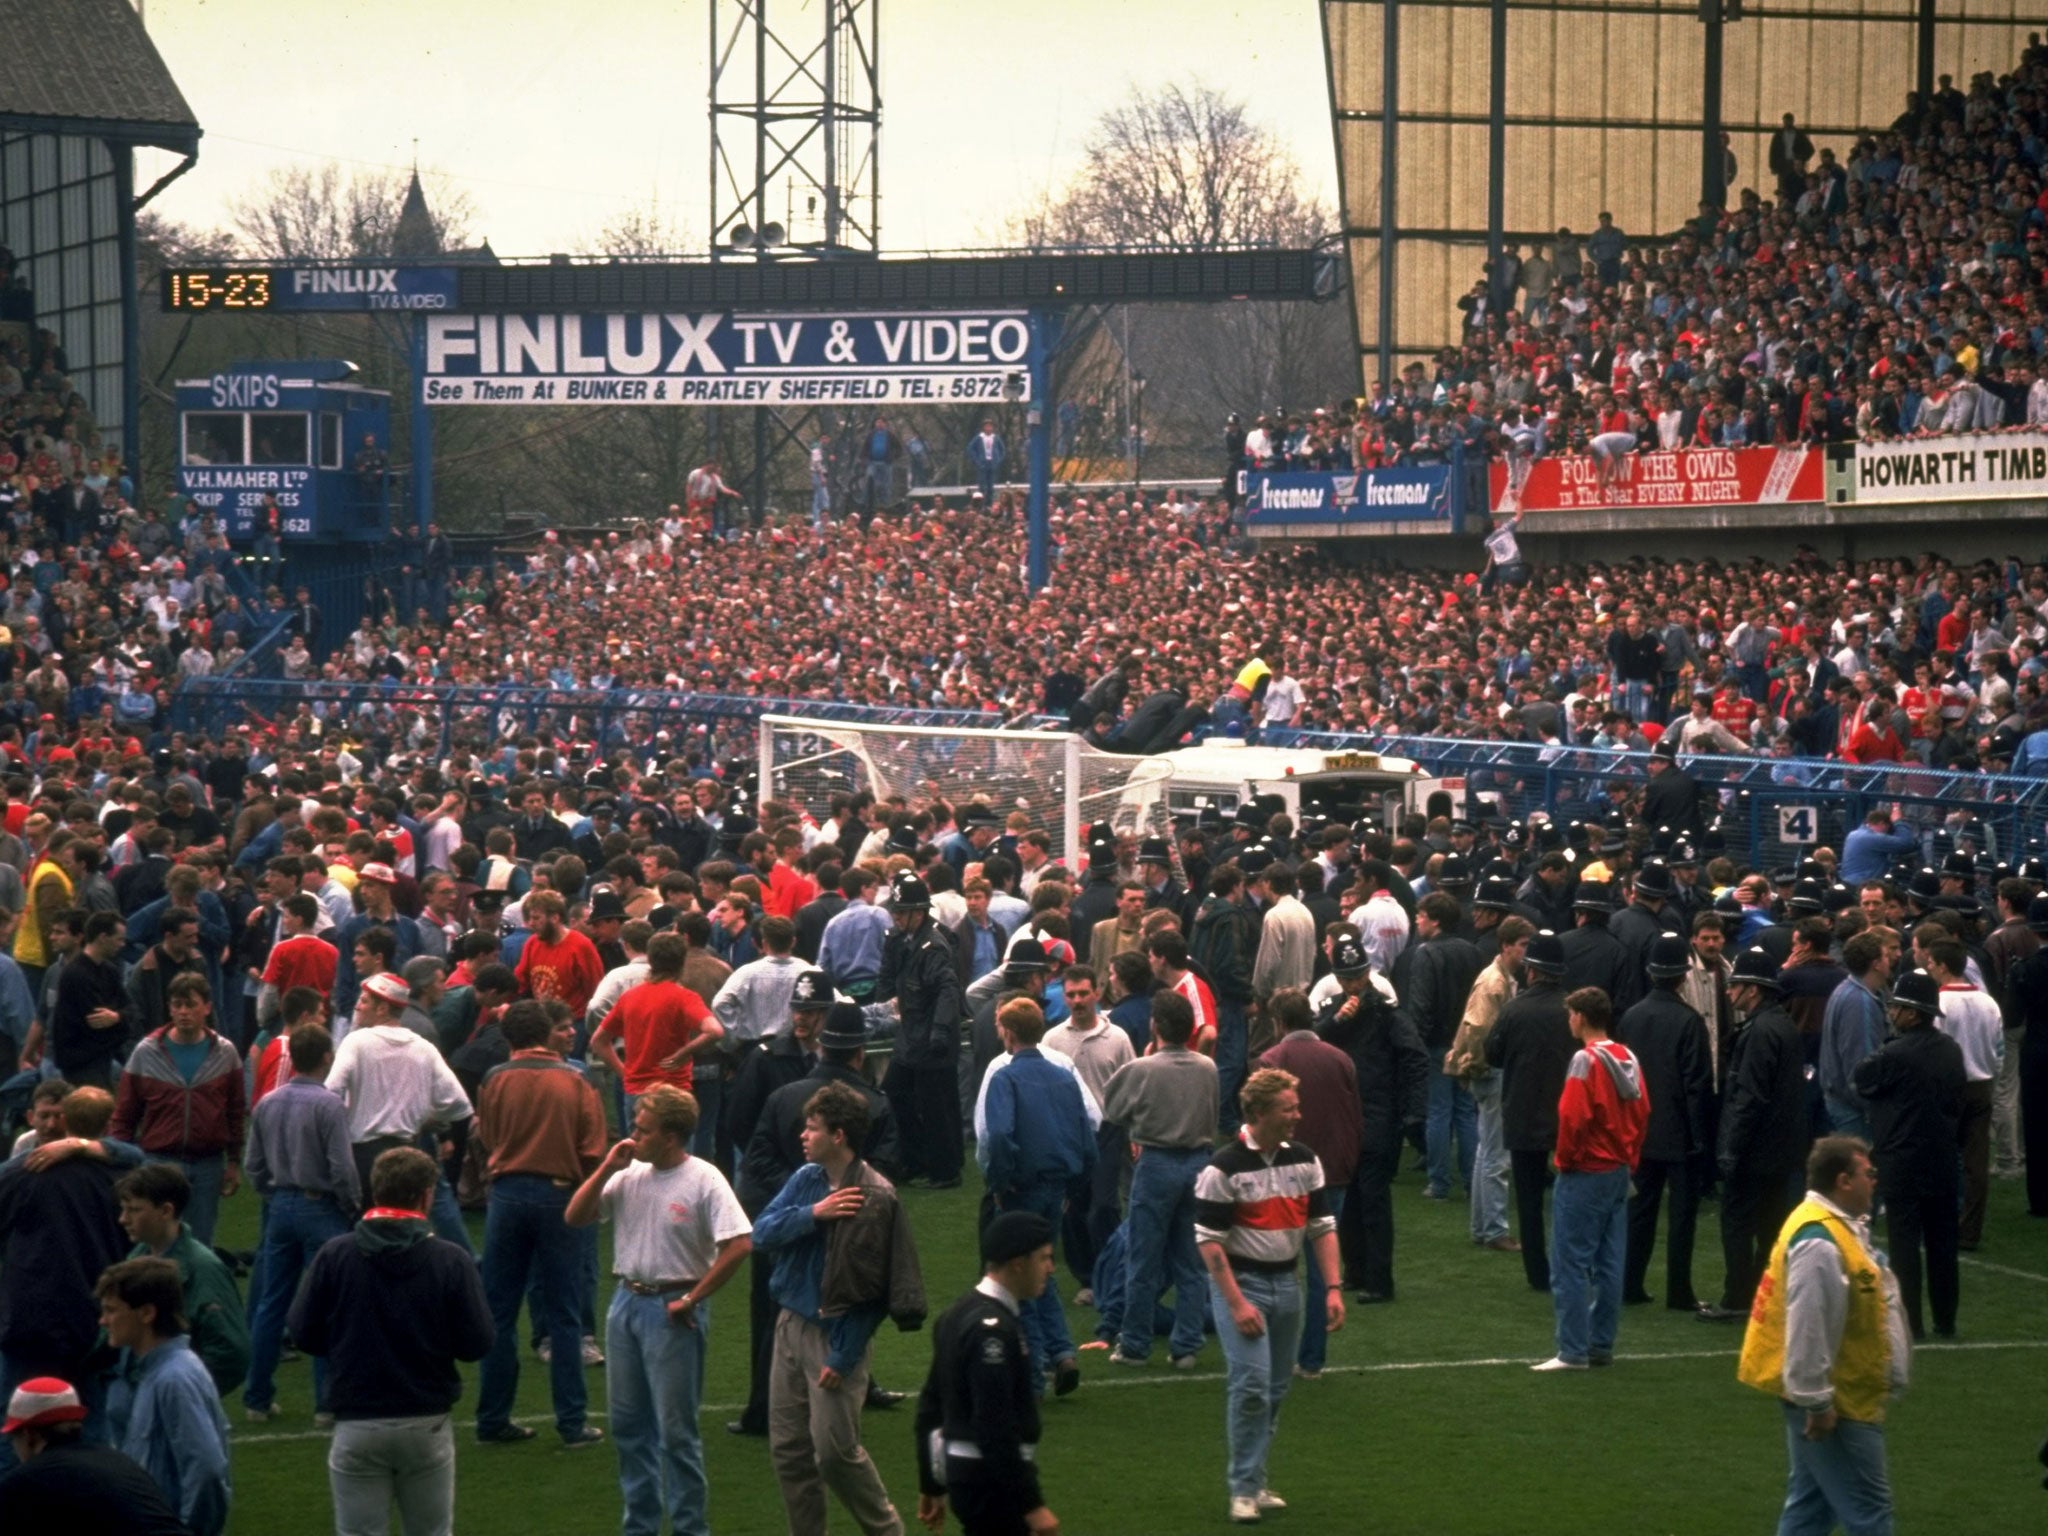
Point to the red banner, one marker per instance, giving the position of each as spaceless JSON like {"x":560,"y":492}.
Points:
{"x":1687,"y":477}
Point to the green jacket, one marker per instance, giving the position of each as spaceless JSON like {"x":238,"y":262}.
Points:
{"x":213,"y":1308}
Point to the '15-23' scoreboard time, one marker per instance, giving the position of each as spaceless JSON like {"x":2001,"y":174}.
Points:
{"x":232,"y":288}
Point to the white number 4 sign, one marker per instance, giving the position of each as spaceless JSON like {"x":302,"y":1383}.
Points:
{"x":1798,"y":824}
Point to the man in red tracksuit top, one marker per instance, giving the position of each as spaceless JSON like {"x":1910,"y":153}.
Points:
{"x":182,"y":1101}
{"x":1601,"y":1117}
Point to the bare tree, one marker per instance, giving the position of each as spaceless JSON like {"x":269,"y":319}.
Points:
{"x":1185,"y":168}
{"x":323,"y":213}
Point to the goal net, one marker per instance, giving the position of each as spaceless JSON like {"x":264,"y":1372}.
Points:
{"x":1061,"y":785}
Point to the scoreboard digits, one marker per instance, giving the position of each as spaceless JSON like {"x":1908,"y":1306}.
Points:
{"x":226,"y":288}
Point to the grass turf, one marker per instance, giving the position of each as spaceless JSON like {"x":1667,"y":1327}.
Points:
{"x":1428,"y":1420}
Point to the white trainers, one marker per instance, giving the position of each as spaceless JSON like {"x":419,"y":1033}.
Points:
{"x":1268,"y":1499}
{"x":1183,"y":1362}
{"x":1118,"y":1357}
{"x":263,"y":1415}
{"x":1558,"y":1363}
{"x":1244,"y":1511}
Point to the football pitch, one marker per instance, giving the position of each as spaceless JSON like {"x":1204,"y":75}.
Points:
{"x":1427,"y":1420}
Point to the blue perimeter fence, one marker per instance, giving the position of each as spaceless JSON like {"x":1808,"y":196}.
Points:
{"x":1773,"y":810}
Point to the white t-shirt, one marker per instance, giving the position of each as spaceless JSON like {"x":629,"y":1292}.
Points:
{"x":667,"y":1223}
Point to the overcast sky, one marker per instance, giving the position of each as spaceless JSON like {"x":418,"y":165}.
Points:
{"x":555,"y":119}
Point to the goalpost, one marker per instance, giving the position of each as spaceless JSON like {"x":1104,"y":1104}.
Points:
{"x":1062,"y":785}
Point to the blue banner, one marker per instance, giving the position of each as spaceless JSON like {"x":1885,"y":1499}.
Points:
{"x":1418,"y":493}
{"x":669,"y":358}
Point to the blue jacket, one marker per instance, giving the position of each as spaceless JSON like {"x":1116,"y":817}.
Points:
{"x":789,"y":1231}
{"x":1037,"y":1125}
{"x":346,"y":982}
{"x":1852,"y":1028}
{"x":1867,"y":854}
{"x":2032,"y":756}
{"x":990,"y":457}
{"x":175,"y":1430}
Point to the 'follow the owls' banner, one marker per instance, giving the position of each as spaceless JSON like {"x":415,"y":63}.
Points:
{"x":667,"y":358}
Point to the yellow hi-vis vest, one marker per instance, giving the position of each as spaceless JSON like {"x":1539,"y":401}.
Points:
{"x":1862,"y":1370}
{"x":31,"y":944}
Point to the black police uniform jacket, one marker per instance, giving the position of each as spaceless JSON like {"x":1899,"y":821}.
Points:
{"x":919,"y":973}
{"x":1764,"y":1117}
{"x":979,"y":1392}
{"x":1669,"y":1040}
{"x":1594,"y":957}
{"x":1912,"y":1087}
{"x":1390,"y":1061}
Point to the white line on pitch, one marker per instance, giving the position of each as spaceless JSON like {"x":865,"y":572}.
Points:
{"x":1181,"y":1378}
{"x":2003,"y":1269}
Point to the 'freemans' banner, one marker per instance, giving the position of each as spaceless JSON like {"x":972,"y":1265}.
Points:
{"x":1977,"y":467}
{"x":725,"y":359}
{"x":1684,"y":477}
{"x":1404,"y":494}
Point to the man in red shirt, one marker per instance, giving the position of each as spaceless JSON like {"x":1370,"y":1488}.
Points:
{"x":1168,"y":952}
{"x":557,"y":962}
{"x":300,"y":958}
{"x":1601,"y":1117}
{"x":662,"y":1023}
{"x":788,"y":888}
{"x":1873,"y":740}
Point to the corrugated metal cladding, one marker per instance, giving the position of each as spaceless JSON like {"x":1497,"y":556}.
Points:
{"x":1603,"y":110}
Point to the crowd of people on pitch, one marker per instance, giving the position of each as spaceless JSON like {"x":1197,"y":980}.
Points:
{"x":1894,"y":293}
{"x":379,"y":992}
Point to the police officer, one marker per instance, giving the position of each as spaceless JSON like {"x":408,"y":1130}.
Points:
{"x":918,"y":973}
{"x":1912,"y":1087}
{"x":977,"y":1417}
{"x":1649,"y":913}
{"x":1669,"y":1039}
{"x":1393,"y":1069}
{"x":1764,"y":1130}
{"x":1594,"y":957}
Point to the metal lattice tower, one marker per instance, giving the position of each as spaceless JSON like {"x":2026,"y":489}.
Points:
{"x":796,"y":117}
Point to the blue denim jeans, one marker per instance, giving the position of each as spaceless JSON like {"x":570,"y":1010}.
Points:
{"x":1230,"y":1060}
{"x":1490,"y":1163}
{"x":1847,"y":1120}
{"x":524,"y":1234}
{"x":710,"y":1095}
{"x":1839,"y":1481}
{"x":1632,"y":699}
{"x":1588,"y":1251}
{"x":294,"y":1227}
{"x":1258,"y":1373}
{"x":1162,"y":1243}
{"x":584,"y":1303}
{"x":654,"y":1384}
{"x":1044,"y":1320}
{"x":1452,"y":1114}
{"x":1315,"y":1331}
{"x":202,"y":1212}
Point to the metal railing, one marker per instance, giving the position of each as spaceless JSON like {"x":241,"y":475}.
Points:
{"x":1770,"y":810}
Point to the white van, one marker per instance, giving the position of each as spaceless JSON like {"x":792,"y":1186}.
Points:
{"x":1226,"y":773}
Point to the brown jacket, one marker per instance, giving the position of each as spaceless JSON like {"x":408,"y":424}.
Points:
{"x":1491,"y":991}
{"x":870,"y":1257}
{"x":539,"y":1114}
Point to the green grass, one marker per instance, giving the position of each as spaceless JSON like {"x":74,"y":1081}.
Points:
{"x":1397,"y":1438}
